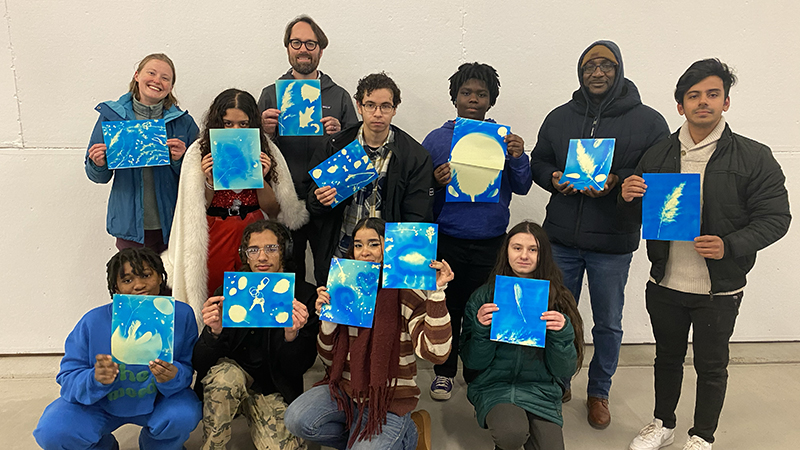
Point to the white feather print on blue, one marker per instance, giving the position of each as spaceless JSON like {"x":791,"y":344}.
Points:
{"x":671,"y":208}
{"x":588,"y":162}
{"x":518,"y":299}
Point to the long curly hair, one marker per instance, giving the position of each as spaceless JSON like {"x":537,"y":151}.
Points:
{"x":561,"y":298}
{"x":244,"y":101}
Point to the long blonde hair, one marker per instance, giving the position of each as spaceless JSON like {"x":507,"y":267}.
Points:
{"x":170,"y":99}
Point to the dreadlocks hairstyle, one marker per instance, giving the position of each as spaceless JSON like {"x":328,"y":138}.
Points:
{"x":138,"y":258}
{"x":373,"y":82}
{"x":561,"y":299}
{"x":242,"y":100}
{"x":477,"y":71}
{"x":279,"y":230}
{"x":367,"y":223}
{"x":701,"y":70}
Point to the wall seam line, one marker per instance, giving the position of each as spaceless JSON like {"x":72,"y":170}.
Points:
{"x":14,"y":72}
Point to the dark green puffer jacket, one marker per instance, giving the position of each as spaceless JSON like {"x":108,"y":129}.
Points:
{"x":527,"y":377}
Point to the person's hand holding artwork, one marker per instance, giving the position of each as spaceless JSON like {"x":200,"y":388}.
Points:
{"x":97,"y":153}
{"x":611,"y":182}
{"x":325,"y":195}
{"x":266,"y":164}
{"x":212,"y":314}
{"x":443,"y":174}
{"x":554,"y":320}
{"x":566,"y":187}
{"x":207,"y":164}
{"x":177,"y":148}
{"x":485,"y":313}
{"x":331,"y":125}
{"x":269,"y":120}
{"x":515,"y":144}
{"x":323,"y":298}
{"x":443,"y":273}
{"x":299,"y":319}
{"x":105,"y":369}
{"x":709,"y":246}
{"x":163,"y":371}
{"x":633,"y":187}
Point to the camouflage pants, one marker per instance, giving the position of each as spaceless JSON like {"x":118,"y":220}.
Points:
{"x":225,"y":391}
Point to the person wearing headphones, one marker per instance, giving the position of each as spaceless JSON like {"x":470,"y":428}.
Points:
{"x":255,"y":371}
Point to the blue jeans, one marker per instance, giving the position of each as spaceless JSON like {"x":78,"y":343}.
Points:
{"x":314,"y":416}
{"x":607,"y":273}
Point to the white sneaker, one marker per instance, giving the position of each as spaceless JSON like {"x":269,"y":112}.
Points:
{"x":653,"y":436}
{"x":696,"y":443}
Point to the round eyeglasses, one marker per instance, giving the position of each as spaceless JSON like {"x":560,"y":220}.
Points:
{"x":297,"y":43}
{"x":252,"y":252}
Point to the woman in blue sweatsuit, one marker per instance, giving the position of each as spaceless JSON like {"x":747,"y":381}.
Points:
{"x":142,"y":200}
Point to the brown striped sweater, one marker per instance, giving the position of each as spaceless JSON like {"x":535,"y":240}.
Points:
{"x":425,"y":331}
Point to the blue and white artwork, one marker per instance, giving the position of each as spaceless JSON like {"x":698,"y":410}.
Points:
{"x":257,"y":300}
{"x":348,"y":170}
{"x":671,"y":206}
{"x":477,"y":157}
{"x":142,"y":328}
{"x":135,"y":143}
{"x":353,"y":287}
{"x":409,"y":248}
{"x":301,"y":107}
{"x":588,"y":163}
{"x":237,"y":158}
{"x":521,"y":302}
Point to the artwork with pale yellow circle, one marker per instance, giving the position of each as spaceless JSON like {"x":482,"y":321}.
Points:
{"x":477,"y":158}
{"x":348,"y":170}
{"x":142,"y":328}
{"x":257,"y":300}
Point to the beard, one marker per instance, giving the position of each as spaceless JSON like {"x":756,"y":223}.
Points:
{"x":305,"y":68}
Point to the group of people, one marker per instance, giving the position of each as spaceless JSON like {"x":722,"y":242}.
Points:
{"x":368,"y":396}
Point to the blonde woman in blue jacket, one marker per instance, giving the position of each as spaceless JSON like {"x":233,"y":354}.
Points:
{"x":517,"y":394}
{"x":142,"y":200}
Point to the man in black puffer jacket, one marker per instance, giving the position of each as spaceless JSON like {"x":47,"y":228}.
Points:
{"x":588,"y":233}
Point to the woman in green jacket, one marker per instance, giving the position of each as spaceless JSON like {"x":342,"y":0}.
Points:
{"x":517,"y":394}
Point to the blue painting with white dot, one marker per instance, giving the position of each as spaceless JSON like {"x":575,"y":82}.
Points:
{"x":521,"y":302}
{"x":300,"y":104}
{"x":257,"y":300}
{"x":409,"y":248}
{"x":588,"y":163}
{"x":237,"y":158}
{"x":353,"y":287}
{"x":477,"y":158}
{"x":671,"y":206}
{"x":135,"y":143}
{"x":142,"y":328}
{"x":348,"y":170}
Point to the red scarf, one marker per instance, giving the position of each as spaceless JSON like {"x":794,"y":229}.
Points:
{"x":374,"y":363}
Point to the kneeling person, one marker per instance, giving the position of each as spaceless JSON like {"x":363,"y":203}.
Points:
{"x":98,"y":395}
{"x":255,"y":371}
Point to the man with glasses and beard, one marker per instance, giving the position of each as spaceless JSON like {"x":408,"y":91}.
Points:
{"x":304,"y":41}
{"x":587,"y":232}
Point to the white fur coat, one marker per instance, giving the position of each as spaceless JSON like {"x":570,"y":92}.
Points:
{"x":186,"y":259}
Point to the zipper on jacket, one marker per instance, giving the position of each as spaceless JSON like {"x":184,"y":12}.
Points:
{"x":594,"y":124}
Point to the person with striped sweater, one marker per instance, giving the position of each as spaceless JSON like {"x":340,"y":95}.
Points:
{"x":366,"y":399}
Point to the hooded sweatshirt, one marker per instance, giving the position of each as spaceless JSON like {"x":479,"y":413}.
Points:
{"x":580,"y":221}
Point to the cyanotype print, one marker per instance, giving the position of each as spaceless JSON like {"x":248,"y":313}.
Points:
{"x":237,"y":158}
{"x":353,"y":286}
{"x":301,"y":107}
{"x":142,"y":328}
{"x":588,"y":163}
{"x":671,"y":206}
{"x":409,"y":248}
{"x":521,"y":302}
{"x":257,"y":300}
{"x":135,"y":143}
{"x":348,"y":170}
{"x":477,"y":158}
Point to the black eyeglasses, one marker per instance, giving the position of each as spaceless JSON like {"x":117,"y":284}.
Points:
{"x":252,"y":252}
{"x":605,"y":67}
{"x":370,"y":107}
{"x":297,"y":43}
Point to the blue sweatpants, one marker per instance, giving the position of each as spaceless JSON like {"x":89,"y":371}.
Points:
{"x":71,"y":426}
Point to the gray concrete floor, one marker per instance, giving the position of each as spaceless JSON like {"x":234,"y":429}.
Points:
{"x":763,"y":387}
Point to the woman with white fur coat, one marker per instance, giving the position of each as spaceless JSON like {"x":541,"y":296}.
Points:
{"x":208,"y":224}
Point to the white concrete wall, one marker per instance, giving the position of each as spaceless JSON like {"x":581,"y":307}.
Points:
{"x":59,"y":59}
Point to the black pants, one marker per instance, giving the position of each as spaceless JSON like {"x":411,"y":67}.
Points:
{"x":299,"y":239}
{"x":512,"y":428}
{"x":712,"y":319}
{"x":471,"y":261}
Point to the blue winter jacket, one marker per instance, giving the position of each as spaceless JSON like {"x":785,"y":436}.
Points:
{"x":125,"y":217}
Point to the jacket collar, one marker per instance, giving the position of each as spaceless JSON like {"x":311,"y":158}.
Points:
{"x":122,"y":108}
